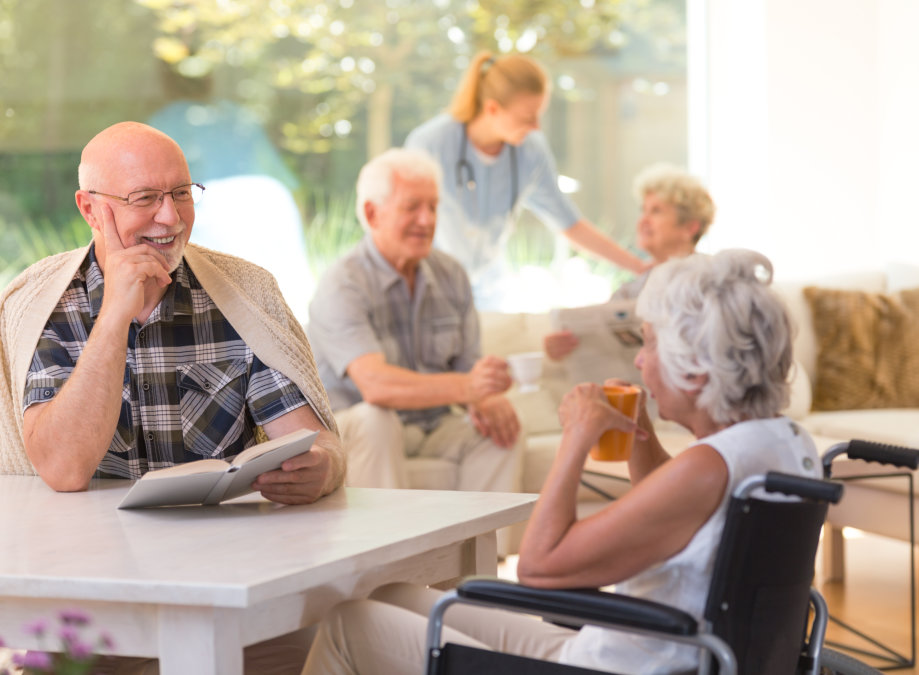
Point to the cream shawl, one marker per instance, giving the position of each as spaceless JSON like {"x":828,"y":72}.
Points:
{"x":247,"y":295}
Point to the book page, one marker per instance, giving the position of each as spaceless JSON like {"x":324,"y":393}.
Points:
{"x":198,"y":466}
{"x":260,"y":449}
{"x":242,"y":474}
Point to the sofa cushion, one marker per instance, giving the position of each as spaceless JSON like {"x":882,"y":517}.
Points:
{"x":901,"y":276}
{"x":805,"y":341}
{"x":504,"y":334}
{"x":894,"y":426}
{"x":537,"y":410}
{"x":866,"y":348}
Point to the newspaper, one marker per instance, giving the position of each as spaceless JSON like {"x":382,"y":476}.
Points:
{"x":609,"y":337}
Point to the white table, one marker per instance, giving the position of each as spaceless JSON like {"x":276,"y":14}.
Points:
{"x":193,"y":585}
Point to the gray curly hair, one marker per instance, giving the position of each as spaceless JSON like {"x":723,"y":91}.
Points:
{"x":684,"y":191}
{"x":717,"y":316}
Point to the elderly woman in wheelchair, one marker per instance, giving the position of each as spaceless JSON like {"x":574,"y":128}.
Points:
{"x":716,"y":357}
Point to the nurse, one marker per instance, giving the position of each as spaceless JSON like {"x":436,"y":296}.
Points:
{"x":495,"y":161}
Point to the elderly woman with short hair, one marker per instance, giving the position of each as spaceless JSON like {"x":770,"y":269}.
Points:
{"x":716,"y":358}
{"x":676,"y":211}
{"x":683,"y":205}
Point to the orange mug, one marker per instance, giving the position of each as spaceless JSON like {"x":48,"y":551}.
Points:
{"x":615,"y":445}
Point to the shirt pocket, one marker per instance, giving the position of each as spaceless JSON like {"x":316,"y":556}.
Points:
{"x":212,"y":403}
{"x":440,"y":342}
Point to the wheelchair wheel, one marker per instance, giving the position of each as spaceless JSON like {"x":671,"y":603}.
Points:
{"x":837,"y":663}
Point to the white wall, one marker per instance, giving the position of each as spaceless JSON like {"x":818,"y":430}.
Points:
{"x":811,"y":134}
{"x":898,"y":90}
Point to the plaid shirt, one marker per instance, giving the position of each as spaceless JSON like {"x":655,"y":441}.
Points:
{"x":192,"y":388}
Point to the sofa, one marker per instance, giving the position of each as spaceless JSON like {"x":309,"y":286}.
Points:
{"x":860,"y":318}
{"x":857,"y":352}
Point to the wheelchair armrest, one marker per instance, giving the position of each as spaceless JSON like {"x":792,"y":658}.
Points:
{"x":801,"y":486}
{"x":581,"y":605}
{"x":870,"y":451}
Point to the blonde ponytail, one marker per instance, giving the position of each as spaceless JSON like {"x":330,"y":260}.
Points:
{"x":499,"y":78}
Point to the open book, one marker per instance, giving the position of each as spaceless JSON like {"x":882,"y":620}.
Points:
{"x":609,"y":337}
{"x":211,"y":481}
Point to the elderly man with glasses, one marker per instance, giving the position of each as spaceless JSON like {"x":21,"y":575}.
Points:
{"x":143,"y":351}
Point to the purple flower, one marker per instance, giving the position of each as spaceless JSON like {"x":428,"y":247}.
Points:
{"x":37,"y":628}
{"x":77,"y":654}
{"x":79,"y":651}
{"x":34,"y":660}
{"x":68,"y":636}
{"x":74,"y":617}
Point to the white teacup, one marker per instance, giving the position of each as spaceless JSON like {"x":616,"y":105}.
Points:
{"x":526,"y":369}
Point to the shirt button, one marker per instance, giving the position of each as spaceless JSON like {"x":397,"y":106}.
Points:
{"x":149,"y":435}
{"x":146,"y":386}
{"x":207,"y":385}
{"x":47,"y":393}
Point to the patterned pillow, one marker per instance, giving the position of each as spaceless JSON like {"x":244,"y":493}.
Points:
{"x":867,"y":348}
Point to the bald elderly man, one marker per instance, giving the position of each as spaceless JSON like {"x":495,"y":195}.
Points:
{"x":141,"y":351}
{"x":154,"y":352}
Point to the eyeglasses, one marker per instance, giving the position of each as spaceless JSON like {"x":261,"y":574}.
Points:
{"x":146,"y":198}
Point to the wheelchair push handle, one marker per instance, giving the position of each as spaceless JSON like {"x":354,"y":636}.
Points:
{"x":800,"y":486}
{"x":884,"y":453}
{"x":870,"y":451}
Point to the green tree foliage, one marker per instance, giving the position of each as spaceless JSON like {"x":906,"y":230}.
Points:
{"x":331,"y":82}
{"x":326,"y":65}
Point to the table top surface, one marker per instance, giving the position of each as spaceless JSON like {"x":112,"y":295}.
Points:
{"x":80,"y":546}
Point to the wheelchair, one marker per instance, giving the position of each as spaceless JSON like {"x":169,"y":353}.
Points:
{"x":762,"y":616}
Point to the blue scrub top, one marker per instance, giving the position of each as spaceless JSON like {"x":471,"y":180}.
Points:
{"x":473,"y":225}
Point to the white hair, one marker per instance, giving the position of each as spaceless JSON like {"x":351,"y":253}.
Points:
{"x":375,"y":181}
{"x":716,"y":316}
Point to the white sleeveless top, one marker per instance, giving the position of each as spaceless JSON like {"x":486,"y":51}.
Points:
{"x":748,"y":448}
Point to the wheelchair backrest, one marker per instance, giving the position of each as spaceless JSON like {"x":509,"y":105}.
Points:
{"x":758,"y":598}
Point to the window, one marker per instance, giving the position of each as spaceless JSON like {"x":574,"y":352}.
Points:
{"x":277,"y":105}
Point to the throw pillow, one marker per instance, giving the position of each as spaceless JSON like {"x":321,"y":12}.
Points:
{"x":867,"y":348}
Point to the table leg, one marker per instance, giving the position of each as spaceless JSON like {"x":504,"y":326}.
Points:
{"x":834,"y":560}
{"x":200,"y":640}
{"x":477,"y":555}
{"x":483,"y":555}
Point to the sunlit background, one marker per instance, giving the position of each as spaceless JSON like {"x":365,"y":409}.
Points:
{"x":278,"y":103}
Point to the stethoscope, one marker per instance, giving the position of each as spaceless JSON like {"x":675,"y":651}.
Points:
{"x":463,"y":166}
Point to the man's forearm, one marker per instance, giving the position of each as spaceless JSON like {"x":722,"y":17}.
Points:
{"x":394,"y":387}
{"x":66,"y":438}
